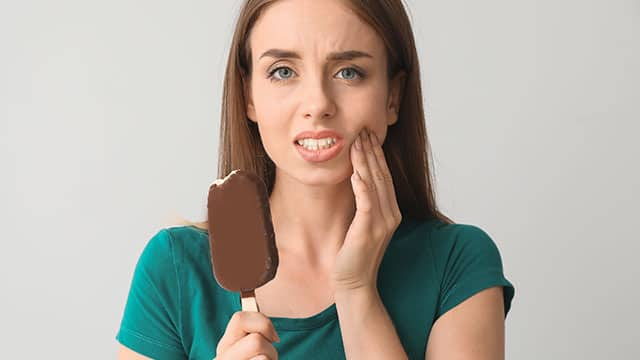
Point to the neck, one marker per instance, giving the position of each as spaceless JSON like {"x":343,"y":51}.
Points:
{"x":311,"y":221}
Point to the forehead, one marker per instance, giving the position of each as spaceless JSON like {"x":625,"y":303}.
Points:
{"x":313,"y":26}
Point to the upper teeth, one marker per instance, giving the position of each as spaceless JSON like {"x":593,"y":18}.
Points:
{"x":314,"y":144}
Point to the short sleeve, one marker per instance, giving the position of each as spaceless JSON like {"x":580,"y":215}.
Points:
{"x":151,"y":322}
{"x":472,"y":264}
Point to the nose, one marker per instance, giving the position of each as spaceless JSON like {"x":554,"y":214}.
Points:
{"x":318,"y":101}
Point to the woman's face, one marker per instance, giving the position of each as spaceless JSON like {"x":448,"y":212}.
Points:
{"x":313,"y":91}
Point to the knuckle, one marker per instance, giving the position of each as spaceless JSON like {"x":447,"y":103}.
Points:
{"x":379,"y":176}
{"x":391,"y":225}
{"x":254,"y":341}
{"x":367,"y":188}
{"x":237,"y":316}
{"x":243,"y":320}
{"x":266,"y":329}
{"x":380,"y":156}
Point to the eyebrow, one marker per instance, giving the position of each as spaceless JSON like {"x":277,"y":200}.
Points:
{"x":334,"y":56}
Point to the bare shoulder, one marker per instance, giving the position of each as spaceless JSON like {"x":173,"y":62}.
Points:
{"x":474,"y":329}
{"x":127,"y":354}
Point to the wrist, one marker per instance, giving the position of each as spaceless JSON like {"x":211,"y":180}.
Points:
{"x":351,"y":293}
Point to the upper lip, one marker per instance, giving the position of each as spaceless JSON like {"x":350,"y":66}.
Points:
{"x":317,"y":135}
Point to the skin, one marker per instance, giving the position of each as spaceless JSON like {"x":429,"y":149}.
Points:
{"x":318,"y":94}
{"x":334,"y":219}
{"x":350,"y":211}
{"x":347,"y":220}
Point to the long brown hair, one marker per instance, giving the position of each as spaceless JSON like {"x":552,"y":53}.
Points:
{"x":406,"y":146}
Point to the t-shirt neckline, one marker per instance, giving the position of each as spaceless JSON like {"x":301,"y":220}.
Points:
{"x":295,"y":324}
{"x":325,"y":316}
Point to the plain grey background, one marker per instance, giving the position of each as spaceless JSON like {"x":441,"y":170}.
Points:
{"x":109,"y":114}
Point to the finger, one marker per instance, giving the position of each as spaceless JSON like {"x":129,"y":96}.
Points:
{"x":260,"y":357}
{"x":250,"y":346}
{"x":378,"y":178}
{"x":361,"y":188}
{"x":360,"y":191}
{"x":384,"y":181}
{"x":243,"y":323}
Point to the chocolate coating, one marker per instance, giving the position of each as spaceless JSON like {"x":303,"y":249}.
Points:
{"x":241,"y":237}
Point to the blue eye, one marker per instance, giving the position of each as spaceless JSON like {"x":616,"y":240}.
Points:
{"x":281,"y":73}
{"x":286,"y":75}
{"x":354,"y":71}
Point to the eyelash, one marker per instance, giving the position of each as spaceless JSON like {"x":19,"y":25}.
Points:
{"x":360,"y":74}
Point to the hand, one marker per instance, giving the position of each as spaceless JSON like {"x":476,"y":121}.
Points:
{"x":376,"y":219}
{"x":249,"y":336}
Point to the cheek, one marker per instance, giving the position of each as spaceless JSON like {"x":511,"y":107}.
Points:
{"x":274,"y":109}
{"x":272,"y":114}
{"x":368,"y":109}
{"x":370,"y":103}
{"x":274,"y":137}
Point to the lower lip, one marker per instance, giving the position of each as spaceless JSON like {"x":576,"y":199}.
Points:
{"x":320,"y":155}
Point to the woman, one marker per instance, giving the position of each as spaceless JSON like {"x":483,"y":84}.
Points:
{"x":369,"y":268}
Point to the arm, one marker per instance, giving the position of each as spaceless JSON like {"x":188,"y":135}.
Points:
{"x":367,"y":329}
{"x":128,"y":354}
{"x":472,"y":330}
{"x":151,"y":316}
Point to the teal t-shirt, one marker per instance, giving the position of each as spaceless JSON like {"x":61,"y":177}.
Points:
{"x":176,"y":309}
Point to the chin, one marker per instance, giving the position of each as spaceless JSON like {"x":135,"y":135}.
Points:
{"x":318,"y":176}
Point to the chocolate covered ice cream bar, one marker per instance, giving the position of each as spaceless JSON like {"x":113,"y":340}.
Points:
{"x":241,"y":236}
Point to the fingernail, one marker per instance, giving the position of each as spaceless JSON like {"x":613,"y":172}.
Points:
{"x":374,"y":138}
{"x":358,"y":144}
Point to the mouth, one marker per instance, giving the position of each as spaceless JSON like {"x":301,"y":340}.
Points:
{"x":319,"y":150}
